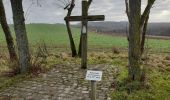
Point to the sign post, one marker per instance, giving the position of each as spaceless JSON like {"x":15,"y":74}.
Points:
{"x":93,"y":76}
{"x":93,"y":90}
{"x":84,"y":20}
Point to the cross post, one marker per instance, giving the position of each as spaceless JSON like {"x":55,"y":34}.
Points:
{"x":84,"y":21}
{"x":84,"y":35}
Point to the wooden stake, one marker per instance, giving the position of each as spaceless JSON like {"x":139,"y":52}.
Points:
{"x":93,"y":90}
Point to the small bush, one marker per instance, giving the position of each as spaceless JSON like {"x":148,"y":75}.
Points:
{"x":167,"y":58}
{"x":39,"y":60}
{"x":115,"y":50}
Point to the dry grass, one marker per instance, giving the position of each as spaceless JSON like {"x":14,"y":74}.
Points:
{"x":158,"y":62}
{"x":4,"y":63}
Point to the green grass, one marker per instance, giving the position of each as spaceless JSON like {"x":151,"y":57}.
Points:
{"x":8,"y":81}
{"x":56,"y":35}
{"x":159,"y":88}
{"x":157,"y":81}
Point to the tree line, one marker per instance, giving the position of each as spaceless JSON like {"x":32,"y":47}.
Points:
{"x":121,"y":28}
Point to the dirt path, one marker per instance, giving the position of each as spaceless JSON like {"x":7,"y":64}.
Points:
{"x":62,"y":83}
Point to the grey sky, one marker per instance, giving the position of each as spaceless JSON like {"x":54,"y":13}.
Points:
{"x":114,"y":10}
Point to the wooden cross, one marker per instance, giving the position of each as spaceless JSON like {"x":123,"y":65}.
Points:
{"x":84,"y":19}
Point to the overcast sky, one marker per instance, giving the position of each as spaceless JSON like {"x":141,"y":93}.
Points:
{"x":49,"y":11}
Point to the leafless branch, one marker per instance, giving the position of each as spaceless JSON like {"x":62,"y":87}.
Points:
{"x":69,"y":1}
{"x":63,"y":2}
{"x":67,"y":6}
{"x":89,"y":3}
{"x":127,"y":33}
{"x":128,"y":16}
{"x":144,"y":33}
{"x":146,"y":11}
{"x":27,"y":11}
{"x":70,"y":7}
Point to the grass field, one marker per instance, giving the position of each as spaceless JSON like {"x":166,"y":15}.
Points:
{"x":56,"y":35}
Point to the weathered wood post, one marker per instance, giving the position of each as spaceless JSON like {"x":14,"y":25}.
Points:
{"x":93,"y":90}
{"x":84,"y":20}
{"x":84,"y":35}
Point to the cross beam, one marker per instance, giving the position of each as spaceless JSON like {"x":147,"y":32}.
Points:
{"x":88,"y":18}
{"x":84,"y":20}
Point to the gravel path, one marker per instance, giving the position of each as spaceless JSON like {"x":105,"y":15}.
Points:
{"x":63,"y":82}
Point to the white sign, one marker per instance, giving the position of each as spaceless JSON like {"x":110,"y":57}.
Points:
{"x":94,"y":75}
{"x":84,"y":30}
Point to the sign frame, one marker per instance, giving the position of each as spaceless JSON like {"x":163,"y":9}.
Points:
{"x":93,"y":75}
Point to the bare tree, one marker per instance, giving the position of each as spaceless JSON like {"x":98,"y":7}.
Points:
{"x":137,"y":31}
{"x":69,"y":7}
{"x":21,"y":35}
{"x":7,"y":32}
{"x":27,"y":12}
{"x":134,"y":39}
{"x":144,"y":20}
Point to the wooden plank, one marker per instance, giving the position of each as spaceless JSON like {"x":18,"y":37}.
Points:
{"x":88,"y":18}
